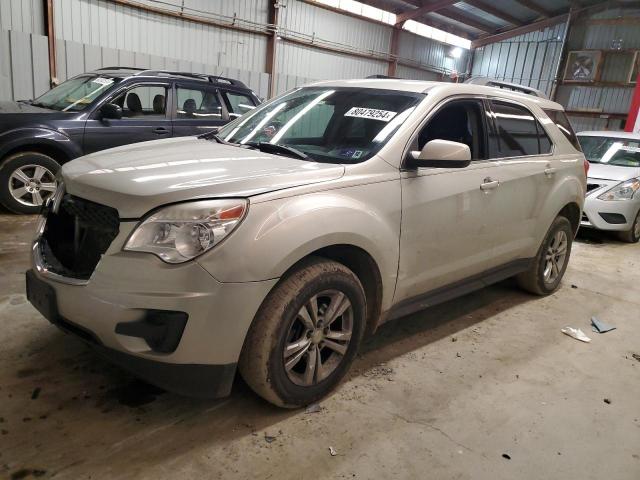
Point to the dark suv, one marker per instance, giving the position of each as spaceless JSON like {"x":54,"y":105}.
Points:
{"x":102,"y":109}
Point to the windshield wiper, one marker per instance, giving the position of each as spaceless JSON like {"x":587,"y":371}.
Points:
{"x":213,"y":135}
{"x":277,"y":148}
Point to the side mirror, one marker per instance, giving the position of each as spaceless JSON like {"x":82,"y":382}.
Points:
{"x":111,"y":111}
{"x":441,"y":154}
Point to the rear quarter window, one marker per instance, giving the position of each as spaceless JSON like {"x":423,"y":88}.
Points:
{"x":562,"y":122}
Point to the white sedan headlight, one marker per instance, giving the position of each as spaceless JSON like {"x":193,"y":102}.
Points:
{"x":181,"y":232}
{"x":622,"y":191}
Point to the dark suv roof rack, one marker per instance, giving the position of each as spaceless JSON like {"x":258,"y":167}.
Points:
{"x":490,"y":82}
{"x":199,"y":76}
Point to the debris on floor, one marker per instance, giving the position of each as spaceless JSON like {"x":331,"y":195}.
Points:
{"x":607,"y":401}
{"x":36,"y":393}
{"x":574,"y":286}
{"x":507,"y":456}
{"x":269,"y":438}
{"x":313,"y":408}
{"x":599,"y":326}
{"x":332,"y":451}
{"x":576,"y":333}
{"x":636,"y":356}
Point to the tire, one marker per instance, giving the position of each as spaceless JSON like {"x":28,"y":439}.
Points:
{"x":15,"y":170}
{"x":279,"y":322}
{"x":535,"y":280}
{"x":632,"y":235}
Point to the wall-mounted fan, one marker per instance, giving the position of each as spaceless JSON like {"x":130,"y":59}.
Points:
{"x":582,"y":66}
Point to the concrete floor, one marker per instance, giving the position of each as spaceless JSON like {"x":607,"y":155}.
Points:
{"x":482,"y":387}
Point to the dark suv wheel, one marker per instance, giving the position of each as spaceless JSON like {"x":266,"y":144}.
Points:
{"x":27,"y":179}
{"x":305,"y":335}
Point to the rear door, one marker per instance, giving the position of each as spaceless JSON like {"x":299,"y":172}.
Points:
{"x":523,"y":154}
{"x":144,"y":117}
{"x":198,"y":109}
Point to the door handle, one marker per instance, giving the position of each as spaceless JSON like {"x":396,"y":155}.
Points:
{"x":160,"y":131}
{"x":550,"y":171}
{"x":489,"y":184}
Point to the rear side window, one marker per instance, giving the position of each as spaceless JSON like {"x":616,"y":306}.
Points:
{"x":562,"y":122}
{"x":517,"y":132}
{"x":198,"y":103}
{"x":238,"y":103}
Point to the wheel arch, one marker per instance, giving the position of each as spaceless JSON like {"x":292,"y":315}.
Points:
{"x":48,"y":142}
{"x":571,"y":211}
{"x":363,"y":265}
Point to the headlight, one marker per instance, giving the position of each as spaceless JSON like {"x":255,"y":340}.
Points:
{"x":622,"y":191}
{"x":181,"y":232}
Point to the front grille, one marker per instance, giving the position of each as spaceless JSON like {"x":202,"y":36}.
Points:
{"x":77,"y":235}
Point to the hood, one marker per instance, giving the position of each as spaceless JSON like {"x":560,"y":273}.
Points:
{"x":138,"y":178}
{"x":612,"y":172}
{"x":21,"y":107}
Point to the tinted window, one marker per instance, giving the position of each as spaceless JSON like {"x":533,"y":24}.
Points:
{"x":545,"y":141}
{"x":143,"y":101}
{"x":198,"y":103}
{"x":458,"y":121}
{"x":562,"y":122}
{"x":238,"y":103}
{"x":517,"y":130}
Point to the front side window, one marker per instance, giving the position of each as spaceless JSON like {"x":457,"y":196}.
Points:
{"x":622,"y":152}
{"x":146,"y":101}
{"x":338,"y":125}
{"x":238,"y":103}
{"x":517,"y":132}
{"x":195,"y":103}
{"x":76,"y":93}
{"x":458,"y":121}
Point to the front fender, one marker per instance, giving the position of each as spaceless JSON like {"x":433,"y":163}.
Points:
{"x":277,"y":234}
{"x":16,"y":138}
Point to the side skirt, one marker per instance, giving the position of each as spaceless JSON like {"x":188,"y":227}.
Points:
{"x":457,"y":289}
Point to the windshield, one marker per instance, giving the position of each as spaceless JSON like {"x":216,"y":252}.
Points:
{"x":76,"y":93}
{"x":622,"y":152}
{"x":335,"y":125}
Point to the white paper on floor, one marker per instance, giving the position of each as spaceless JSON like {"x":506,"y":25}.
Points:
{"x":576,"y":333}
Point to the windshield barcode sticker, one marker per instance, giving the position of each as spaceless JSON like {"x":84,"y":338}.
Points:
{"x":370,"y":113}
{"x":102,"y":81}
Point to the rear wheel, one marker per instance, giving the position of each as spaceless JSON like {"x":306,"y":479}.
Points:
{"x":27,"y":179}
{"x":305,"y":335}
{"x":547,"y":269}
{"x":633,"y":234}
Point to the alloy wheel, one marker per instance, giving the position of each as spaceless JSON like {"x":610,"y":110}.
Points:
{"x":31,"y":185}
{"x":555,"y":257}
{"x":318,"y":338}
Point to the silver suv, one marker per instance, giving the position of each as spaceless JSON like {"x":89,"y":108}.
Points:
{"x":274,"y":245}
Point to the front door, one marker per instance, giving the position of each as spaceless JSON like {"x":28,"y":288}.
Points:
{"x":445,"y":236}
{"x":144,"y":117}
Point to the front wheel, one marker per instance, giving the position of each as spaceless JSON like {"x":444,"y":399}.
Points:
{"x":305,"y":335}
{"x":547,"y":269}
{"x":632,"y":235}
{"x":27,"y":180}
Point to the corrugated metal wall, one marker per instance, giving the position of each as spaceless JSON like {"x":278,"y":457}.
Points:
{"x":605,"y":99}
{"x":531,"y":59}
{"x":24,"y":65}
{"x":95,"y":33}
{"x":22,"y":16}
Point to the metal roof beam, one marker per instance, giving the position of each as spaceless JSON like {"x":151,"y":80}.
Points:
{"x":426,"y":8}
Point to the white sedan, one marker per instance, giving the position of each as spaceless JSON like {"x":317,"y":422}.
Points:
{"x":613,"y":201}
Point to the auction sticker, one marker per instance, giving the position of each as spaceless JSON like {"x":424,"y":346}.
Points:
{"x":370,"y":113}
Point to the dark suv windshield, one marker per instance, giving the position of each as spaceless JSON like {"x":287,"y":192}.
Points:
{"x":622,"y":152}
{"x":328,"y":124}
{"x":76,"y":93}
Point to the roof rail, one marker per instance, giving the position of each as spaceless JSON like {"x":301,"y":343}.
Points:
{"x":490,"y":82}
{"x":380,"y":76}
{"x":119,"y":68}
{"x":201,"y":76}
